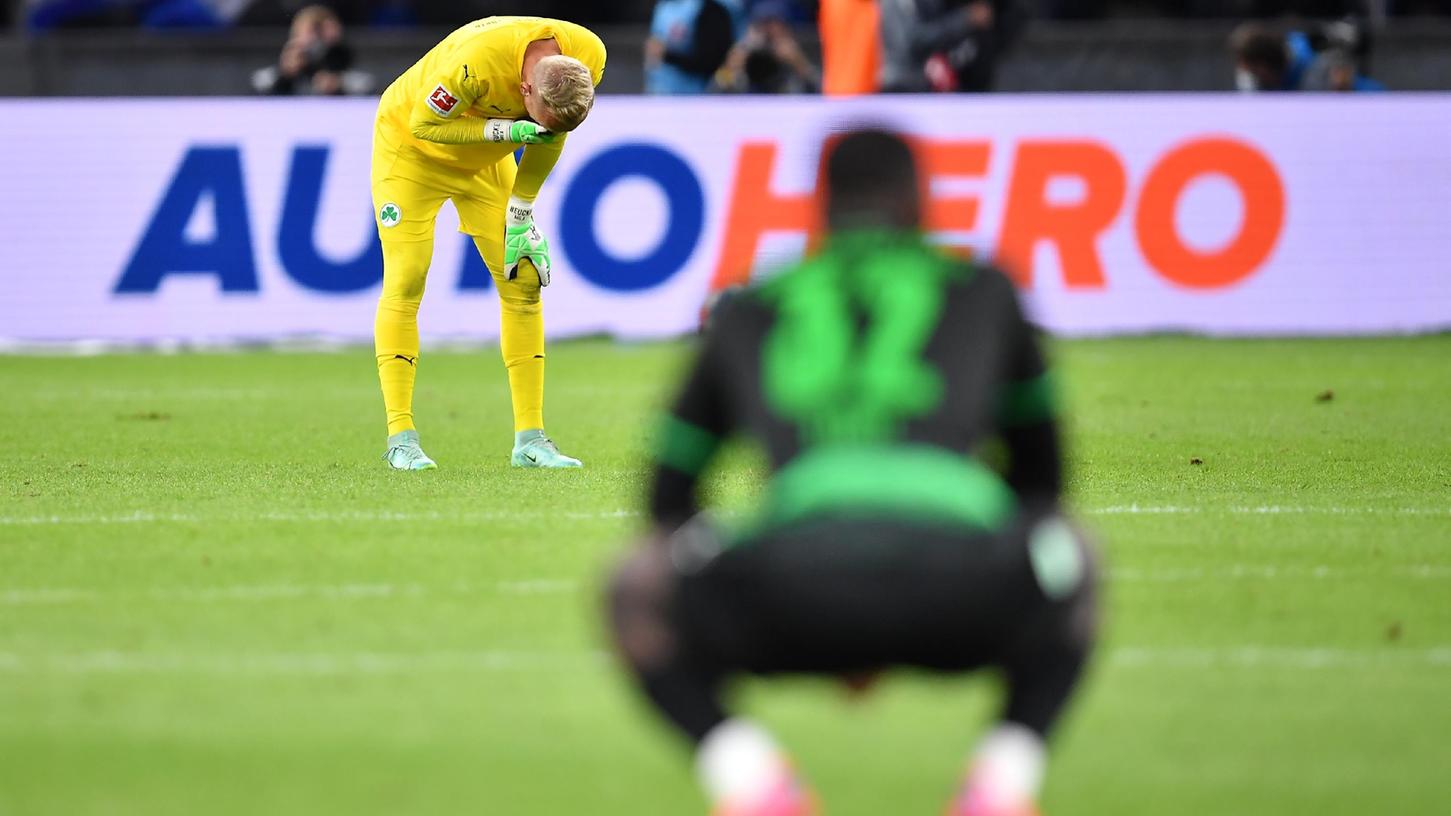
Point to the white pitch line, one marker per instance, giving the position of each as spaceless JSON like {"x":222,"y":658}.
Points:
{"x":89,"y":394}
{"x":287,"y":664}
{"x":137,"y":517}
{"x":291,"y":664}
{"x":1277,"y":657}
{"x":372,"y":516}
{"x":266,"y":592}
{"x":55,"y":596}
{"x":43,"y":596}
{"x":1267,"y":510}
{"x":542,"y":586}
{"x":1236,"y":572}
{"x":388,"y":516}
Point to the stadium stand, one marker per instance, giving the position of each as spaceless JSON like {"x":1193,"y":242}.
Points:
{"x":1066,"y":45}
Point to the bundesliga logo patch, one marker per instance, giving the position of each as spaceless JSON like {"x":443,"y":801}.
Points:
{"x":442,"y":101}
{"x":389,"y":215}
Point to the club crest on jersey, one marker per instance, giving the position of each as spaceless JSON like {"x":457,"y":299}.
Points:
{"x":389,"y":215}
{"x":442,"y":101}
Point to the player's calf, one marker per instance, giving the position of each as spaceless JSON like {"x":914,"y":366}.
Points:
{"x":1044,"y":666}
{"x":739,"y":765}
{"x":641,"y":605}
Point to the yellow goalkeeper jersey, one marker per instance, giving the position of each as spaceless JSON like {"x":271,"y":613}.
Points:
{"x":437,"y":108}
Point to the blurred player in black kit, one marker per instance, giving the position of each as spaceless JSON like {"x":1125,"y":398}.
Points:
{"x":872,"y":373}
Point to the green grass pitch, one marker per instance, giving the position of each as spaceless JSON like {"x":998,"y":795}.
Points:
{"x":214,"y":599}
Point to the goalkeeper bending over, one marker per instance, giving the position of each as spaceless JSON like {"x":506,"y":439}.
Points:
{"x":448,"y":129}
{"x":870,"y":373}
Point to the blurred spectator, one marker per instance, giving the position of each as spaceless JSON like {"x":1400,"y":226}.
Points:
{"x":1265,"y":60}
{"x":1223,"y":9}
{"x":1333,"y":70}
{"x":851,"y":47}
{"x":689,"y":41}
{"x":768,"y":59}
{"x":1349,"y":35}
{"x":316,"y":60}
{"x":1262,"y":60}
{"x":944,"y":45}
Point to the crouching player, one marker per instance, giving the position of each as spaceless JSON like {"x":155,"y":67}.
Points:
{"x":447,"y":129}
{"x":871,"y":373}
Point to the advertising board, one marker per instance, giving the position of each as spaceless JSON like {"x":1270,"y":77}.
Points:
{"x":250,"y":219}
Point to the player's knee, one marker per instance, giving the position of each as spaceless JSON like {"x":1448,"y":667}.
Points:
{"x":1073,"y":629}
{"x":1058,"y":636}
{"x":405,"y":270}
{"x":521,"y":296}
{"x":637,"y":598}
{"x":397,"y":306}
{"x":632,"y":590}
{"x":404,"y":285}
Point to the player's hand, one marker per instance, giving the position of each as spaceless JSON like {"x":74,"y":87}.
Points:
{"x":518,"y":131}
{"x":523,"y":240}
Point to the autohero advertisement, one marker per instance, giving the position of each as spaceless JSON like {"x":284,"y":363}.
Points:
{"x":244,"y":220}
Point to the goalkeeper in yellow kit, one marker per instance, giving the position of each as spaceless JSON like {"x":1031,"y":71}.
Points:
{"x":448,"y":129}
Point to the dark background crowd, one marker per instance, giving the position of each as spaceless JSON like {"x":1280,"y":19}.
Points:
{"x":41,"y":15}
{"x":335,"y":47}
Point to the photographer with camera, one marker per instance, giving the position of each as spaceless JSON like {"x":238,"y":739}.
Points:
{"x":769,"y":59}
{"x":1328,"y":57}
{"x":316,"y":60}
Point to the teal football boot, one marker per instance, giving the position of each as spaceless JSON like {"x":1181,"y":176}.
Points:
{"x":404,"y":452}
{"x":532,"y":449}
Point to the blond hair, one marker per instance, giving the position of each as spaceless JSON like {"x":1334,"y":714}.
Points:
{"x":566,"y":88}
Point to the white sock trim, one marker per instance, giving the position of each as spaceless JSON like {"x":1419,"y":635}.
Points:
{"x":738,"y":761}
{"x":1008,"y":766}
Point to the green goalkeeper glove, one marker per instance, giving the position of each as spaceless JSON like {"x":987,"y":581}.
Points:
{"x":523,"y":240}
{"x":519,"y":131}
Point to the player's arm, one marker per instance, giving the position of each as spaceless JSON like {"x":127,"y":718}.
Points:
{"x":521,"y":237}
{"x":690,"y":435}
{"x":1028,"y":413}
{"x":437,"y":114}
{"x":535,"y":166}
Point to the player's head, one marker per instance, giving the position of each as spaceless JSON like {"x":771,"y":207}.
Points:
{"x":870,"y":179}
{"x":1333,"y":70}
{"x":559,"y":93}
{"x":1261,"y":59}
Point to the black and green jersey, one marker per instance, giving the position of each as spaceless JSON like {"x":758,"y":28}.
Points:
{"x":871,"y":373}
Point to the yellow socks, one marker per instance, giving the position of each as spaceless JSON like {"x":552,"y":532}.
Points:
{"x":395,"y":328}
{"x":521,"y":338}
{"x":395,"y":333}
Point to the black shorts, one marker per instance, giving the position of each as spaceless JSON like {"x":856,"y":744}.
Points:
{"x":839,"y":596}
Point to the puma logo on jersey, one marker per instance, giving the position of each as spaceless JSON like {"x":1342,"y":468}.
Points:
{"x":442,"y":101}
